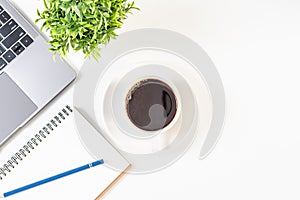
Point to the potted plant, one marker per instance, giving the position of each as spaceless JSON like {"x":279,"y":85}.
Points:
{"x":82,"y":25}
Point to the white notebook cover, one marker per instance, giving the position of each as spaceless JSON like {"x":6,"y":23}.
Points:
{"x":61,"y":151}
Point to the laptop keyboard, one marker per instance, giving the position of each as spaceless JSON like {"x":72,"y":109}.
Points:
{"x":13,"y":39}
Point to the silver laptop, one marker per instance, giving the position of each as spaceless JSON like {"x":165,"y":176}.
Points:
{"x":29,"y":77}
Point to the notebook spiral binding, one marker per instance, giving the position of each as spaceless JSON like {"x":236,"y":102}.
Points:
{"x":34,"y":141}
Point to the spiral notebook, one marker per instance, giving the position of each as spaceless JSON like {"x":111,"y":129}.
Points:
{"x":49,"y":145}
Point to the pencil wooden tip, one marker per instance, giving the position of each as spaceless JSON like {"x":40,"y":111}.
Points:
{"x":1,"y":196}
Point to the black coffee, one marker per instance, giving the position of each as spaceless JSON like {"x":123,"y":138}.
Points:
{"x":151,"y":104}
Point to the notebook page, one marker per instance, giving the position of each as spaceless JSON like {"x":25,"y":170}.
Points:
{"x":61,"y":151}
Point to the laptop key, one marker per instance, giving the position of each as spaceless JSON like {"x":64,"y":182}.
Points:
{"x":2,"y":49}
{"x":2,"y":63}
{"x":8,"y":28}
{"x":14,"y":37}
{"x":1,"y":9}
{"x":26,"y":40}
{"x":4,"y":17}
{"x":9,"y":56}
{"x":17,"y":48}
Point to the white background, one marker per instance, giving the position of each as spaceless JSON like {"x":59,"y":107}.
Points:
{"x":255,"y":45}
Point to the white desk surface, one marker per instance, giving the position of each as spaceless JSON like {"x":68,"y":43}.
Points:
{"x":255,"y":46}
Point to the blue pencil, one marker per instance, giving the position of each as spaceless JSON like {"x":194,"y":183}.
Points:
{"x":47,"y":180}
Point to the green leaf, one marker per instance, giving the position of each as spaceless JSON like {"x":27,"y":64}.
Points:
{"x":105,"y":14}
{"x":45,"y":4}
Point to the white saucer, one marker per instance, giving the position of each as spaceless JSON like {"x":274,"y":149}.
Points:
{"x":101,"y":90}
